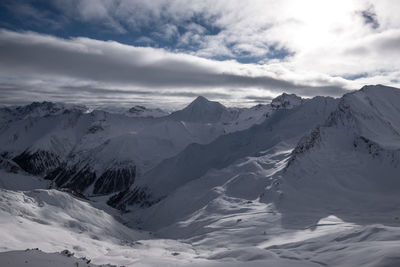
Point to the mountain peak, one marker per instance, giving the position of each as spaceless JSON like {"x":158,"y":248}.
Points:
{"x":378,"y":88}
{"x":201,"y":110}
{"x":201,"y":100}
{"x":286,"y":101}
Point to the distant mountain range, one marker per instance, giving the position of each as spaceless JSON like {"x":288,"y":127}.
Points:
{"x":99,"y":152}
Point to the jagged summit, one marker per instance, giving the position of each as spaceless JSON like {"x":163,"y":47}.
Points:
{"x":202,"y":110}
{"x":50,"y":107}
{"x":285,"y":101}
{"x":37,"y":109}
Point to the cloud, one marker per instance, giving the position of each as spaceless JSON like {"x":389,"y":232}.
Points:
{"x":89,"y":62}
{"x":305,"y":47}
{"x":25,"y":11}
{"x":370,"y":18}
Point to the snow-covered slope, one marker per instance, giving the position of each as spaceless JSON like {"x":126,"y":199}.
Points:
{"x":54,"y":221}
{"x":294,"y":183}
{"x":283,"y":125}
{"x":321,"y":210}
{"x":21,"y":181}
{"x":101,"y":152}
{"x":349,"y":166}
{"x":37,"y":258}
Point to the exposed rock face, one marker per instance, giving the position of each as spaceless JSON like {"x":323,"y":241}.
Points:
{"x":81,"y":179}
{"x":38,"y":163}
{"x":113,"y":180}
{"x":285,"y":101}
{"x":306,"y":143}
{"x":73,"y":178}
{"x":139,"y":196}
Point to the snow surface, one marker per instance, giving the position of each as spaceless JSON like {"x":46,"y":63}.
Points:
{"x":21,"y":181}
{"x":100,"y":140}
{"x":36,"y":258}
{"x":315,"y":184}
{"x":196,"y":159}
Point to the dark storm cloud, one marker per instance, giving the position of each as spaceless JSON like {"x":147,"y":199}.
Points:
{"x":33,"y":55}
{"x":370,"y":18}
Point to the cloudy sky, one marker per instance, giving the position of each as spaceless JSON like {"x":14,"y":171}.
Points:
{"x":166,"y":52}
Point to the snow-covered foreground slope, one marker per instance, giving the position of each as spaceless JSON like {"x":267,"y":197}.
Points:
{"x":36,"y":258}
{"x":54,"y":221}
{"x":58,"y":221}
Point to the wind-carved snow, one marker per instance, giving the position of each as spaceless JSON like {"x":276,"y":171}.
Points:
{"x":310,"y":184}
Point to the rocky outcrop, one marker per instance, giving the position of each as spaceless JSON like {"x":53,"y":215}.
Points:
{"x":39,"y":162}
{"x":116,"y":179}
{"x":81,"y":179}
{"x":137,"y":196}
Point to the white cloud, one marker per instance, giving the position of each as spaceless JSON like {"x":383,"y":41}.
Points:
{"x":319,"y":35}
{"x":328,"y":43}
{"x":36,"y":60}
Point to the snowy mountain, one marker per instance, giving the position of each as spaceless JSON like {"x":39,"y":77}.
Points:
{"x":100,"y":152}
{"x":202,"y":110}
{"x":37,"y":109}
{"x":196,"y":159}
{"x":286,"y":101}
{"x":298,"y":182}
{"x":351,"y":163}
